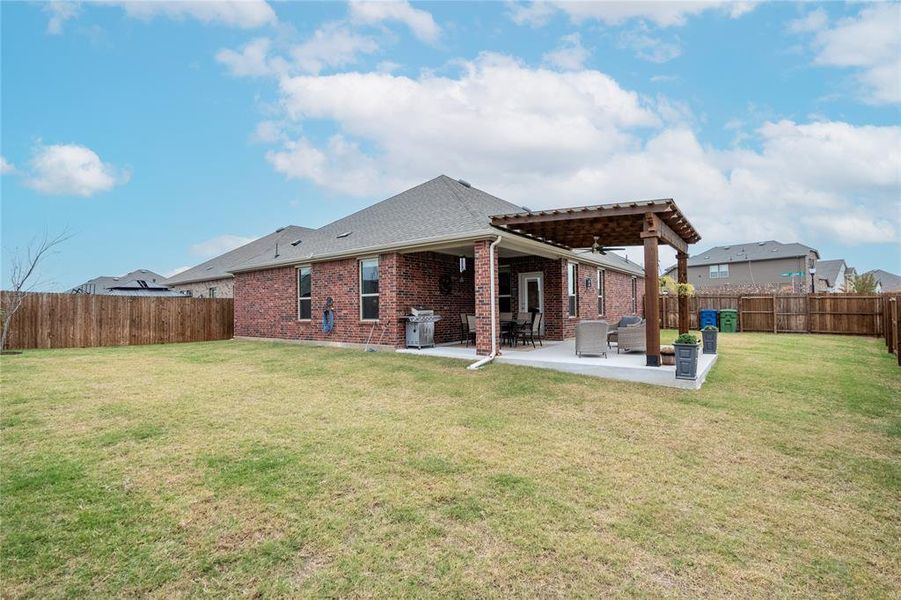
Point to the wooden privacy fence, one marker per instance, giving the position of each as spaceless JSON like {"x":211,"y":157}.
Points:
{"x":855,"y":314}
{"x":83,"y":320}
{"x":891,"y":312}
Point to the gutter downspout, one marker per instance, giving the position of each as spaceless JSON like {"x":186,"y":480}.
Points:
{"x":484,"y":361}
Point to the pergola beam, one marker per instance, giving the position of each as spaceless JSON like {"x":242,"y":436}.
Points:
{"x":569,"y":214}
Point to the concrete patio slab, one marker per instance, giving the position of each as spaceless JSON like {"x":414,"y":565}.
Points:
{"x":561,"y":356}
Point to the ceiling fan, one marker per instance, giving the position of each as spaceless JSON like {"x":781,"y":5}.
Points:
{"x":597,"y":248}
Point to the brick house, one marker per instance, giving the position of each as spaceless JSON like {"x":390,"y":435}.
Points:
{"x":428,"y":246}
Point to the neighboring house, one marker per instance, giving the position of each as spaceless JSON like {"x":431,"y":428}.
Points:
{"x":141,"y":282}
{"x":831,"y":275}
{"x":213,"y":279}
{"x":885,"y":281}
{"x":752,"y":267}
{"x":428,"y":246}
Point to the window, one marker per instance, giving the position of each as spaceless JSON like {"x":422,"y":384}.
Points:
{"x":573,"y":286}
{"x":634,"y":296}
{"x":369,"y":289}
{"x":212,"y":293}
{"x":601,"y":307}
{"x":504,"y":299}
{"x":304,"y":293}
{"x":719,"y":271}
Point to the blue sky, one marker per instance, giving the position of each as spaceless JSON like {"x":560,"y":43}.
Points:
{"x":160,"y":134}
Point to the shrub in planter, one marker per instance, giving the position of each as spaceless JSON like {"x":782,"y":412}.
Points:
{"x":686,"y":346}
{"x":709,"y":336}
{"x":667,"y":355}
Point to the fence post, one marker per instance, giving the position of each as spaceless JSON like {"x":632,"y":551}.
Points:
{"x":775,"y":319}
{"x":893,"y":313}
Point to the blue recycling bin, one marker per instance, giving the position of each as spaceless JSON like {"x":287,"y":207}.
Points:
{"x":708,"y":316}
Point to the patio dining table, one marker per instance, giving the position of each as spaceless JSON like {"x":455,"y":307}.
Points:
{"x":508,"y":329}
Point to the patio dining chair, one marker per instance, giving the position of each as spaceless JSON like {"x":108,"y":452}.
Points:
{"x":470,"y":329}
{"x":530,"y":332}
{"x":591,"y":338}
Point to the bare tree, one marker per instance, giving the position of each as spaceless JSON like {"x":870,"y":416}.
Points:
{"x":23,"y":277}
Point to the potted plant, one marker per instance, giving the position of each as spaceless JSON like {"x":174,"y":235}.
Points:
{"x":708,"y":334}
{"x":667,"y":355}
{"x":686,"y":346}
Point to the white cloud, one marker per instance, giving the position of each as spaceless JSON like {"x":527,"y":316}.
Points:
{"x":6,"y":167}
{"x":815,"y":20}
{"x":219,"y":245}
{"x":570,"y":55}
{"x":244,"y":14}
{"x":855,"y":228}
{"x":252,"y":60}
{"x":420,"y":22}
{"x":60,"y":11}
{"x":648,"y":46}
{"x":663,"y":14}
{"x":869,"y":42}
{"x":71,"y":169}
{"x":332,"y":45}
{"x":545,"y":138}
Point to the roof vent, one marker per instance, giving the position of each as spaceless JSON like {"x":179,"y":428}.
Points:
{"x":296,"y":242}
{"x":761,"y":243}
{"x":464,"y":183}
{"x":344,"y":235}
{"x":279,"y":230}
{"x":726,"y":247}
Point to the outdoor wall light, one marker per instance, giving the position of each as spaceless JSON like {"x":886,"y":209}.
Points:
{"x":588,"y":283}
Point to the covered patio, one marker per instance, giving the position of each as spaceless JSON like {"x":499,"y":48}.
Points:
{"x":561,"y":356}
{"x":646,"y":223}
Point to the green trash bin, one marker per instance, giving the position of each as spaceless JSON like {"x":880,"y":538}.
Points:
{"x":728,"y":320}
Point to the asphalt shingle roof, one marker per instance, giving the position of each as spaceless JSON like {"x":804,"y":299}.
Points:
{"x":435,"y":209}
{"x":828,"y":270}
{"x":751,"y":251}
{"x":102,"y":284}
{"x":440,"y":208}
{"x":889,"y":281}
{"x":259,"y":249}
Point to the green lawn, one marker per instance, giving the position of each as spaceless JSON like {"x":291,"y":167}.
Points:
{"x":233,"y":468}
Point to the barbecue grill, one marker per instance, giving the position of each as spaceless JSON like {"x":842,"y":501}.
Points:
{"x":421,"y":327}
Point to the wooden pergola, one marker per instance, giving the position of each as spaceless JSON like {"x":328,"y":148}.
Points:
{"x":645,"y":223}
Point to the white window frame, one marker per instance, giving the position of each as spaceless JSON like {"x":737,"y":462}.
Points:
{"x":360,"y":283}
{"x":634,"y":295}
{"x":602,"y":291}
{"x":572,"y":289}
{"x":720,"y":271}
{"x":300,"y":270}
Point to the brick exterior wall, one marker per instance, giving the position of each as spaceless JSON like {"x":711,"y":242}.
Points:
{"x":225,"y":288}
{"x":484,"y":306}
{"x":618,"y":296}
{"x":266,"y":301}
{"x":434,"y":280}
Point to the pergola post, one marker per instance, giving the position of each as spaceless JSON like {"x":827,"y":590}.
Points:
{"x":651,"y":293}
{"x":682,"y":267}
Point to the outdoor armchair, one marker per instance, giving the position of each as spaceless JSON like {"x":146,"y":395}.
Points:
{"x":632,"y":338}
{"x":591,"y":338}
